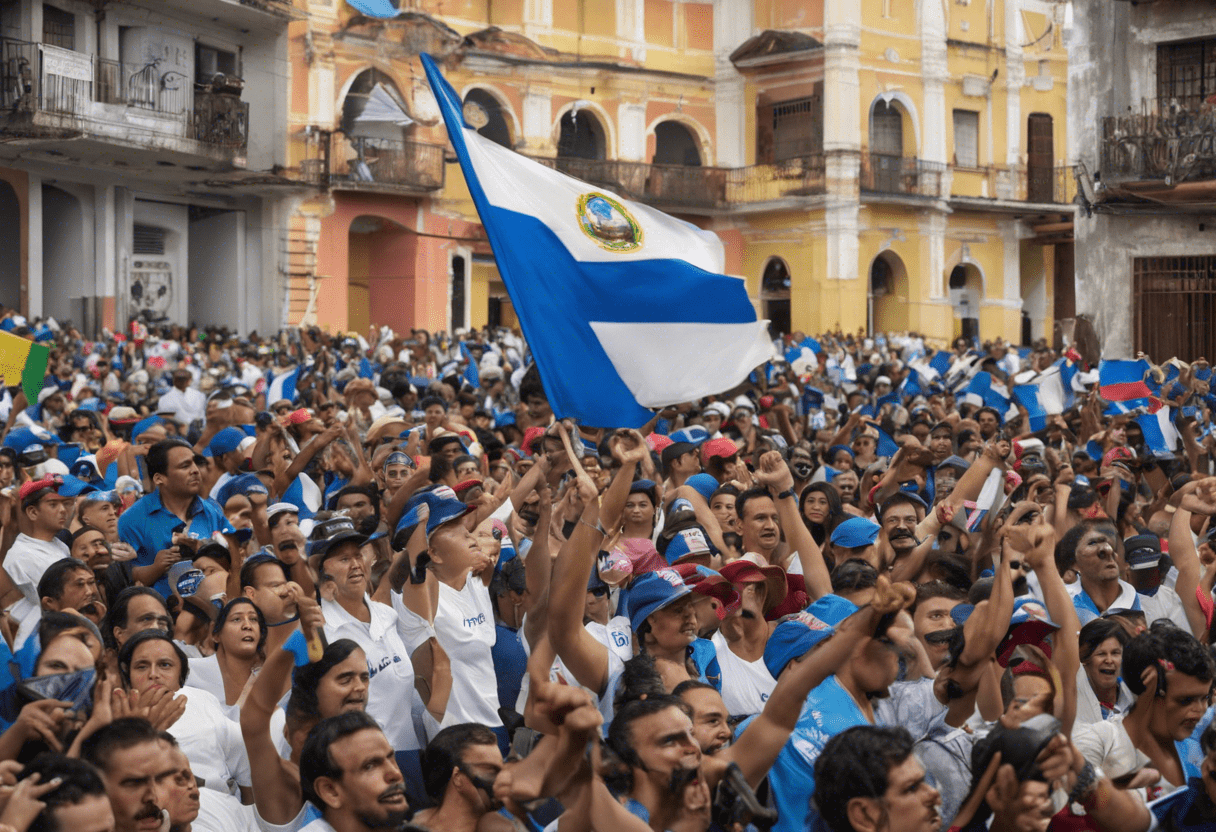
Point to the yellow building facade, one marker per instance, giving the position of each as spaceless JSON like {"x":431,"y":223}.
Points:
{"x":891,"y":165}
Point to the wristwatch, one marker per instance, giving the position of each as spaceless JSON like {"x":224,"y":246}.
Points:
{"x":789,"y":492}
{"x":1087,"y":781}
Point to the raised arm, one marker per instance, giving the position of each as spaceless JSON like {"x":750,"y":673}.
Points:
{"x":758,"y":746}
{"x":775,"y":475}
{"x":1193,"y":498}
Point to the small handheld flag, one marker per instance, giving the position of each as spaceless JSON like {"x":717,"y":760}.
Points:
{"x":24,"y":360}
{"x":623,"y":307}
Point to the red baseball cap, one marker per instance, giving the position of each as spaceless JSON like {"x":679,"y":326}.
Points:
{"x":707,"y":582}
{"x":749,"y":570}
{"x":34,"y":490}
{"x":722,"y":447}
{"x":657,"y":442}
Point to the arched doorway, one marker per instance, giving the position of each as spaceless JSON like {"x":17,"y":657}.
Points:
{"x":966,"y":293}
{"x":581,"y":136}
{"x":888,"y":294}
{"x":775,"y":295}
{"x":63,"y":263}
{"x":487,"y":109}
{"x":10,"y":247}
{"x":675,"y":144}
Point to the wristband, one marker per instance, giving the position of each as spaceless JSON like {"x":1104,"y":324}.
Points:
{"x":789,"y":492}
{"x":1087,"y":780}
{"x":297,"y":646}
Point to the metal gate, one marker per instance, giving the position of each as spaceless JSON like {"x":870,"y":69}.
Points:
{"x":1174,"y":305}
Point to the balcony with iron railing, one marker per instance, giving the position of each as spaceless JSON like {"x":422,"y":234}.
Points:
{"x":1014,"y":183}
{"x":889,"y":175}
{"x":1165,"y":145}
{"x":694,"y":188}
{"x":364,"y":163}
{"x":50,"y":91}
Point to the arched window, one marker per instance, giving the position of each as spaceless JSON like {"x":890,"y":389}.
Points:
{"x":481,"y":106}
{"x":581,"y":137}
{"x":775,"y":294}
{"x":958,"y":277}
{"x":374,"y":108}
{"x":675,"y":144}
{"x":887,"y":129}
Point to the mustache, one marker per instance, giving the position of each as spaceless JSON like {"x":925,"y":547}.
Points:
{"x":900,"y":533}
{"x":392,"y":791}
{"x":150,"y":810}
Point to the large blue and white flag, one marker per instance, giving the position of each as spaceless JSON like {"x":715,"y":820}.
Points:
{"x":623,"y":307}
{"x":283,"y":386}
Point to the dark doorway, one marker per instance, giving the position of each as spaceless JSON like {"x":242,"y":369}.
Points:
{"x":674,"y":144}
{"x":457,"y":292}
{"x":775,"y":293}
{"x":1040,"y":159}
{"x":10,"y":248}
{"x":495,"y":129}
{"x":582,"y":136}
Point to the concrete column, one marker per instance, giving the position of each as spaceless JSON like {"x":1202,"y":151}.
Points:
{"x":732,"y":26}
{"x":631,"y":26}
{"x":34,"y":249}
{"x":631,"y":133}
{"x":538,"y":121}
{"x":935,"y":73}
{"x":1015,"y":78}
{"x":841,"y":82}
{"x":105,"y":248}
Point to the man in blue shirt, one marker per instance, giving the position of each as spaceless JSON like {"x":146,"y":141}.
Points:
{"x":149,"y":525}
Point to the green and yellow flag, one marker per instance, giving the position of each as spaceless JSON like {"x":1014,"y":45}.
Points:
{"x":25,"y":360}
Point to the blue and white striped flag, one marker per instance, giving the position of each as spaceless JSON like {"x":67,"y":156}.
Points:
{"x":283,"y":386}
{"x":623,"y":307}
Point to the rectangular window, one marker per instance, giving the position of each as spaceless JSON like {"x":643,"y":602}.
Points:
{"x":966,"y":138}
{"x":1186,"y":73}
{"x":209,"y":62}
{"x":790,"y":129}
{"x":1174,"y":299}
{"x":58,"y":27}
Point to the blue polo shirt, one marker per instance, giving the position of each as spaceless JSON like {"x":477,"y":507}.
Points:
{"x":148,"y":526}
{"x":828,"y":710}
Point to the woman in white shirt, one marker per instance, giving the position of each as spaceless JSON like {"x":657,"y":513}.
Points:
{"x":212,"y":742}
{"x":239,"y":635}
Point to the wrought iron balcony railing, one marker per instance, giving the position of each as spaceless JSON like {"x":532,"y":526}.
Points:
{"x":369,"y":163}
{"x":1163,"y":143}
{"x":883,"y":173}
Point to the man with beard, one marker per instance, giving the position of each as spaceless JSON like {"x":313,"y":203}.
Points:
{"x":461,"y":763}
{"x":136,"y":771}
{"x":348,"y":771}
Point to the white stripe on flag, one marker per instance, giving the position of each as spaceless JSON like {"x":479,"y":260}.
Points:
{"x":665,"y":363}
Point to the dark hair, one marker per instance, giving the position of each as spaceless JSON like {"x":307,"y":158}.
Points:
{"x":900,"y":498}
{"x":117,"y":614}
{"x":852,"y":575}
{"x":52,"y":582}
{"x":511,"y":577}
{"x":822,"y":531}
{"x":691,"y":684}
{"x":530,"y":384}
{"x":304,"y":680}
{"x":445,"y":752}
{"x":749,"y":495}
{"x":128,"y":652}
{"x":640,"y":679}
{"x":315,"y":761}
{"x":119,"y":735}
{"x":1066,"y":548}
{"x":1165,"y":642}
{"x":620,"y":732}
{"x":52,"y":623}
{"x":949,"y":567}
{"x":855,"y":763}
{"x":937,"y":589}
{"x":370,"y":491}
{"x":158,"y":454}
{"x":226,"y":612}
{"x":430,"y":399}
{"x":78,"y":781}
{"x":1098,"y":631}
{"x":250,"y":567}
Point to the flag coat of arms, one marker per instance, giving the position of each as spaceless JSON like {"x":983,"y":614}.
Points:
{"x":624,"y":308}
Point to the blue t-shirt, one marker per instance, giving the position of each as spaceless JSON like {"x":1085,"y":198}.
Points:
{"x":828,"y":710}
{"x":510,"y":664}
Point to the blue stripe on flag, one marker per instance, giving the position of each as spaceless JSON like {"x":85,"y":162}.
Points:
{"x":283,"y":387}
{"x":940,"y":362}
{"x":375,"y":8}
{"x":1027,"y":395}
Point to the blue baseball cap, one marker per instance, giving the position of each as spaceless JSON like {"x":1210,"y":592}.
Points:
{"x":693,"y":435}
{"x":652,"y":592}
{"x":795,"y":634}
{"x":244,"y":485}
{"x":85,"y":467}
{"x":703,"y":484}
{"x":224,"y":442}
{"x":74,"y":486}
{"x":145,"y":424}
{"x":687,"y":543}
{"x":21,"y":438}
{"x":444,"y":506}
{"x":855,"y":533}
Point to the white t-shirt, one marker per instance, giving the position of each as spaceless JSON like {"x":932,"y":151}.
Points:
{"x":617,"y":635}
{"x":212,"y":742}
{"x":294,"y":825}
{"x":464,"y":628}
{"x":205,"y":674}
{"x":746,"y":686}
{"x":25,"y":562}
{"x":1164,"y":604}
{"x":390,"y":694}
{"x":222,"y":813}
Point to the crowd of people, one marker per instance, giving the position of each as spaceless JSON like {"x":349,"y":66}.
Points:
{"x":352,"y":582}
